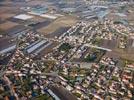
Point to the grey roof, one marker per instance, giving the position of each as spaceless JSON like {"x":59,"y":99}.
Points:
{"x":30,"y":50}
{"x":8,"y":49}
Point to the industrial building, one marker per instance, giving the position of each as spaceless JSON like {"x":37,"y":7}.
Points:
{"x":23,"y":17}
{"x":37,"y":47}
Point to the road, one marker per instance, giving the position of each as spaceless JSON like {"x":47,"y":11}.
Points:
{"x":13,"y":93}
{"x":97,"y":47}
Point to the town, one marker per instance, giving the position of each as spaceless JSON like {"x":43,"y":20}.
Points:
{"x":66,"y":50}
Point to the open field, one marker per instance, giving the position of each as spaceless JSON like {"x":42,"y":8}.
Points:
{"x":49,"y":48}
{"x":125,"y":54}
{"x":4,"y":16}
{"x":7,"y":25}
{"x":65,"y":21}
{"x":119,"y":53}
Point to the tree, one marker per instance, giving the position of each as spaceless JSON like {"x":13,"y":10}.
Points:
{"x":90,"y":58}
{"x":65,"y":47}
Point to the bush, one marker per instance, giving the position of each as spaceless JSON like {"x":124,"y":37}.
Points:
{"x":90,"y":58}
{"x":65,"y":47}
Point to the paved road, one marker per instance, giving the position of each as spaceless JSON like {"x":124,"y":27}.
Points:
{"x":97,"y":47}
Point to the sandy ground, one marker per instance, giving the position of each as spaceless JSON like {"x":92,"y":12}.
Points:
{"x":130,"y":18}
{"x":37,"y":18}
{"x":8,"y":12}
{"x":49,"y":48}
{"x":125,"y":54}
{"x":7,"y":25}
{"x":4,"y":16}
{"x":113,"y":17}
{"x":65,"y":21}
{"x":118,"y":53}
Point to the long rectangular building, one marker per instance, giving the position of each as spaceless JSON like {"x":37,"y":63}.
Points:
{"x":9,"y":49}
{"x":36,"y":46}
